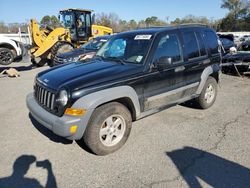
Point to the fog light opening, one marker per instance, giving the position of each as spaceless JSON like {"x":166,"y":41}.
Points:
{"x":73,"y":129}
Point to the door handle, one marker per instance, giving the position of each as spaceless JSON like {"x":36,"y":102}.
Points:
{"x":179,"y":69}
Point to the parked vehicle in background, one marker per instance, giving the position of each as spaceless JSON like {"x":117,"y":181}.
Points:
{"x":245,"y":38}
{"x":134,"y":74}
{"x":79,"y":53}
{"x":227,"y":42}
{"x":9,"y":50}
{"x":239,"y":60}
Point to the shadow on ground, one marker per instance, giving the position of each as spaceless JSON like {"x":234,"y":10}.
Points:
{"x":46,"y":132}
{"x":19,"y":68}
{"x":194,"y":164}
{"x":20,"y":168}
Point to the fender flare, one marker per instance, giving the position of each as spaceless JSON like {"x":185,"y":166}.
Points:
{"x":204,"y":76}
{"x":93,"y":100}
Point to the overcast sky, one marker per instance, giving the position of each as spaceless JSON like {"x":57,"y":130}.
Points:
{"x":23,"y":10}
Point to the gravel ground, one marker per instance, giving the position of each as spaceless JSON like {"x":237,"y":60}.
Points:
{"x":178,"y":147}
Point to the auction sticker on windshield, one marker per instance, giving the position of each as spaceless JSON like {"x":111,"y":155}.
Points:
{"x":142,"y":37}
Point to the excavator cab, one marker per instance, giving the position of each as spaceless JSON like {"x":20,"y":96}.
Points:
{"x":78,"y":22}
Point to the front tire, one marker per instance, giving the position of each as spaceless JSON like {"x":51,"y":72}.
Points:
{"x":6,"y":56}
{"x":108,"y":129}
{"x":39,"y":62}
{"x":208,"y":94}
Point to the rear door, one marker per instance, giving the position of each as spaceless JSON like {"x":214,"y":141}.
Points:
{"x":196,"y":57}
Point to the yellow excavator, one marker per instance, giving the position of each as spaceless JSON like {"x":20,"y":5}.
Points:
{"x":77,"y":29}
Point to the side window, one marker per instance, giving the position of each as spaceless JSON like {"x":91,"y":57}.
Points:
{"x":191,"y":45}
{"x":212,"y":41}
{"x":203,"y":51}
{"x":88,"y":20}
{"x":169,"y":46}
{"x":80,"y":24}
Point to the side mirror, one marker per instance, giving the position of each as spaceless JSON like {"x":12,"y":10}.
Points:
{"x":163,"y":62}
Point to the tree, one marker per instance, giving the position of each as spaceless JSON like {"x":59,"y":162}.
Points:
{"x":45,"y":20}
{"x":238,"y":18}
{"x":54,"y":21}
{"x":154,"y":21}
{"x":51,"y":21}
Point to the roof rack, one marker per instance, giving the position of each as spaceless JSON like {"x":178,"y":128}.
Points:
{"x":191,"y":24}
{"x":173,"y":25}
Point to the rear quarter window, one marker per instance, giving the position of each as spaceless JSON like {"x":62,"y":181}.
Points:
{"x":211,"y":41}
{"x":191,"y":44}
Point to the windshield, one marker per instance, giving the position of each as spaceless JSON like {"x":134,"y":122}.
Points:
{"x":67,"y":19}
{"x":126,"y":48}
{"x":94,"y":44}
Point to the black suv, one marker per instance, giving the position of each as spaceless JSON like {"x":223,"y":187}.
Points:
{"x":135,"y":74}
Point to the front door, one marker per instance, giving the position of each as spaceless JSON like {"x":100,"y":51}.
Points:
{"x":162,"y":86}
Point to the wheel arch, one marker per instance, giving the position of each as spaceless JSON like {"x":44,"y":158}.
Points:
{"x":214,"y":71}
{"x":125,"y":95}
{"x":10,"y":47}
{"x":127,"y":102}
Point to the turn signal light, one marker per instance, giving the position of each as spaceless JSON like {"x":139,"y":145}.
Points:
{"x":73,"y":129}
{"x":74,"y":112}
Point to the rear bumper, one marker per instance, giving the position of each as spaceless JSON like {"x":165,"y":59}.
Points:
{"x":58,"y":125}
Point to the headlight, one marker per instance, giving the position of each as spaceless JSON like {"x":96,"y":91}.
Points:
{"x":63,"y":98}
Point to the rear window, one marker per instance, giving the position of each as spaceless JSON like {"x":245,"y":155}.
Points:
{"x":191,"y":44}
{"x":212,"y":41}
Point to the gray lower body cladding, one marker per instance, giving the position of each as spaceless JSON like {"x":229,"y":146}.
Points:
{"x":58,"y":125}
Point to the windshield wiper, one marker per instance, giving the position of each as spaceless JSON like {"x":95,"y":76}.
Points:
{"x":99,"y":57}
{"x":116,"y":59}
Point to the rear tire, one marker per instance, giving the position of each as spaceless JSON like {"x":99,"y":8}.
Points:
{"x":208,"y":94}
{"x":6,"y":56}
{"x":108,"y":129}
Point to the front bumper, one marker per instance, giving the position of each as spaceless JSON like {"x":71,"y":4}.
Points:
{"x":18,"y":51}
{"x":58,"y":125}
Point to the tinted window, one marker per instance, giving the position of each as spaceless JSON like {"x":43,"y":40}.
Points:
{"x":212,"y":41}
{"x":191,"y":45}
{"x":201,"y":44}
{"x":169,"y":46}
{"x":226,"y":42}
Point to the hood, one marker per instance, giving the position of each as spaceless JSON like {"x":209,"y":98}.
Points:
{"x":75,"y":52}
{"x":80,"y":75}
{"x":239,"y":56}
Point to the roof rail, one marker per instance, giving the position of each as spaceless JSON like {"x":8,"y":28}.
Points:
{"x":191,"y":24}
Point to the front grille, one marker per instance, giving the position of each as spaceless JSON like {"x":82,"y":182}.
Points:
{"x":44,"y":97}
{"x":59,"y":60}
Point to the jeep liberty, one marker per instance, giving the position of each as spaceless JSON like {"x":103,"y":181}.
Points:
{"x":135,"y":74}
